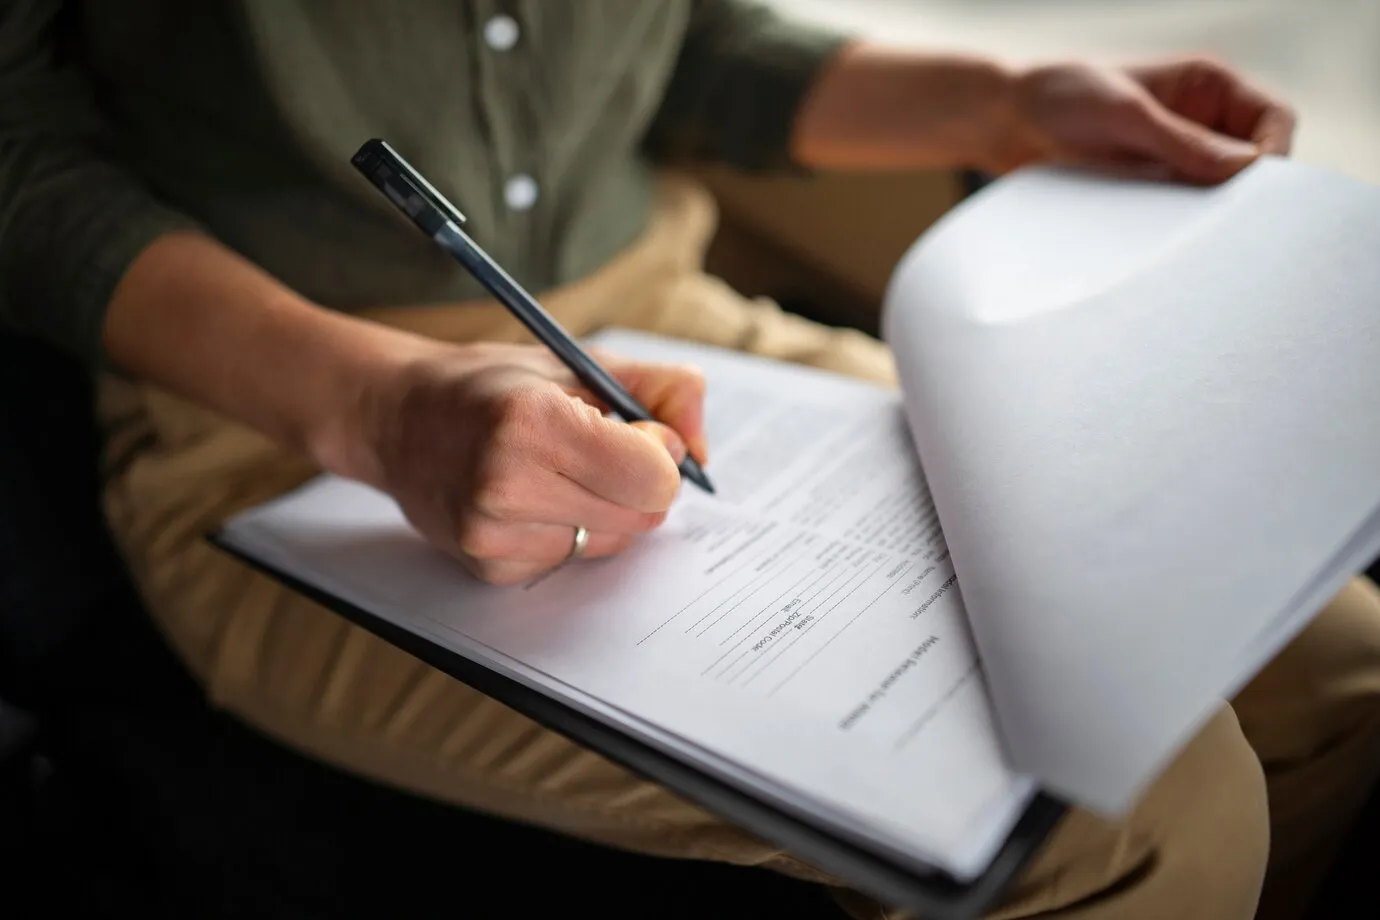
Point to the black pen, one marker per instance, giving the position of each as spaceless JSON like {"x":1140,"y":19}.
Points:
{"x":439,"y":219}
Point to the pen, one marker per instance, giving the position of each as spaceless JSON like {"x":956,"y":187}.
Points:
{"x":439,"y":219}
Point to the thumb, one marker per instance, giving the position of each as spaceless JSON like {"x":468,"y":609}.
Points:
{"x":672,"y":393}
{"x":632,"y":465}
{"x":664,"y":437}
{"x":1193,"y":150}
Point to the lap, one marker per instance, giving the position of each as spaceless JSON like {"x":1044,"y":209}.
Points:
{"x":336,"y":692}
{"x":1322,"y":683}
{"x":324,"y":686}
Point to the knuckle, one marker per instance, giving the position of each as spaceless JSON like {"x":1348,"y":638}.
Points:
{"x":1209,"y":62}
{"x":649,"y":521}
{"x":1128,"y":109}
{"x":501,"y":495}
{"x":480,"y":539}
{"x":495,"y":573}
{"x":691,"y":377}
{"x":520,"y":412}
{"x":576,"y":426}
{"x":531,"y":422}
{"x":578,"y":415}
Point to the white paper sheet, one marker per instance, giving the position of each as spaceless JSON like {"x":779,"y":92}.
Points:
{"x":1149,"y":415}
{"x":799,"y":633}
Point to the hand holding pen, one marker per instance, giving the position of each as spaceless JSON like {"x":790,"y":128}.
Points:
{"x":492,"y":459}
{"x":439,"y":219}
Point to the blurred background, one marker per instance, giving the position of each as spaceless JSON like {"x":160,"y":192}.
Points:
{"x":826,"y":246}
{"x":1322,"y":55}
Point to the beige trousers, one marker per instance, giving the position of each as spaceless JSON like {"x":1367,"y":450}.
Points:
{"x":1196,"y":847}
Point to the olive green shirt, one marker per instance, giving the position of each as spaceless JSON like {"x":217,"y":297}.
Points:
{"x":121,"y":120}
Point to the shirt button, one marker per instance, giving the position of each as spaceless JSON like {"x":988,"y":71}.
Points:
{"x":520,"y":192}
{"x":501,"y":33}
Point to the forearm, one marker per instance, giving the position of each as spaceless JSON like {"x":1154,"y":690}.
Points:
{"x":878,"y":108}
{"x":195,"y":318}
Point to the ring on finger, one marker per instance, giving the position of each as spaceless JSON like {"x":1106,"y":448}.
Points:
{"x":579,"y":545}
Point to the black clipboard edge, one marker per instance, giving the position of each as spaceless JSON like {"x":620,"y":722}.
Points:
{"x":934,"y":897}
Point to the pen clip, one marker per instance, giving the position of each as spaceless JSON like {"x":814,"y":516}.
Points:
{"x":396,"y":178}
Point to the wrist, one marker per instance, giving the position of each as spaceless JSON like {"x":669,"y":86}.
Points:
{"x":197,"y":319}
{"x":1011,"y":137}
{"x":990,"y":121}
{"x":353,"y":375}
{"x":880,"y":108}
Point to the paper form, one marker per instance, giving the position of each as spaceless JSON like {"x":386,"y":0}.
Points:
{"x":1148,"y":413}
{"x":802,"y":632}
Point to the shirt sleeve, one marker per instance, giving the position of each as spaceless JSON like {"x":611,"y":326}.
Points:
{"x":742,"y":74}
{"x":71,"y":222}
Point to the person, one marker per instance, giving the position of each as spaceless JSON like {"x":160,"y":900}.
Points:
{"x":178,"y":210}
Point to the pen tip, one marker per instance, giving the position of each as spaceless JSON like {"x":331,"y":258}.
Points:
{"x":692,"y":471}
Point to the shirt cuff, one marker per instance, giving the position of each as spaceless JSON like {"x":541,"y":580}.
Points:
{"x":63,"y":271}
{"x":771,"y":80}
{"x":742,"y":76}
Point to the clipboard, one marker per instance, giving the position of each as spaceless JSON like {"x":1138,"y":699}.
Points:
{"x":936,"y":896}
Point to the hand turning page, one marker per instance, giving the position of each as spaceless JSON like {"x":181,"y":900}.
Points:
{"x":1148,"y":415}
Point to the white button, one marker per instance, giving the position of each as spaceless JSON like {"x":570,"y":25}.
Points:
{"x":501,"y":32}
{"x":520,"y":192}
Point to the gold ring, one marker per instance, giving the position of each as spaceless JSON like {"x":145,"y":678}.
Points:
{"x":577,"y":549}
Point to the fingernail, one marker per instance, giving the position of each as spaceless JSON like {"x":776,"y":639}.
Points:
{"x":1231,"y":149}
{"x":668,"y":438}
{"x":700,"y":449}
{"x":674,"y":445}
